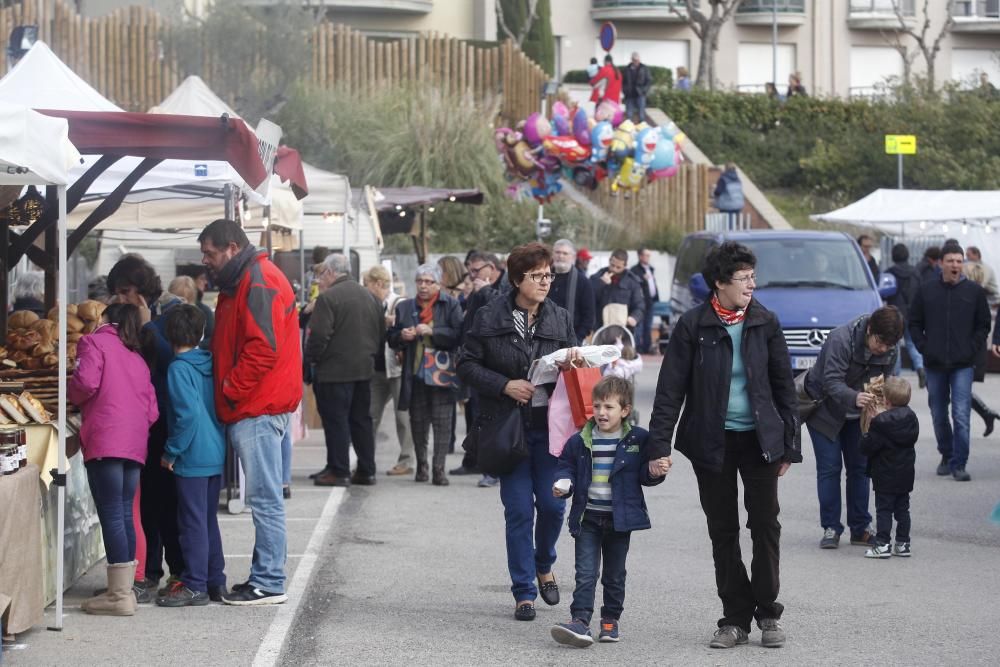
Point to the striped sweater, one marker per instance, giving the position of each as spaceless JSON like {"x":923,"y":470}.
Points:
{"x":603,"y":450}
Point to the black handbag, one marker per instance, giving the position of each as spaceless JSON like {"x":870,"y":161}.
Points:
{"x":501,"y":443}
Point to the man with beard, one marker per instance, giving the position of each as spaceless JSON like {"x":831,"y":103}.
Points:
{"x":571,"y":289}
{"x":618,"y":293}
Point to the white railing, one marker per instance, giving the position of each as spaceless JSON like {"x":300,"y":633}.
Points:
{"x":977,"y":9}
{"x":727,"y":222}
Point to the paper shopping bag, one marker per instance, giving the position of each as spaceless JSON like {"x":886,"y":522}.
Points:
{"x":561,"y":426}
{"x":579,"y":387}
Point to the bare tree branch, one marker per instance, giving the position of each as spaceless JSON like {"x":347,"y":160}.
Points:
{"x":525,"y":29}
{"x":928,"y":49}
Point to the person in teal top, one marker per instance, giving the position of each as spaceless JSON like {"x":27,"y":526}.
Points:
{"x":738,"y":414}
{"x":196,"y":453}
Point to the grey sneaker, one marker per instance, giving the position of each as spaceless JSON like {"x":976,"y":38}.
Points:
{"x":831,"y":539}
{"x":771,"y":634}
{"x":960,"y":475}
{"x":729,"y":636}
{"x":488,"y":481}
{"x":901,"y":549}
{"x":944,"y":468}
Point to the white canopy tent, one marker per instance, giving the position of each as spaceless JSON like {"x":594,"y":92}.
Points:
{"x":37,"y":151}
{"x":972,"y":217}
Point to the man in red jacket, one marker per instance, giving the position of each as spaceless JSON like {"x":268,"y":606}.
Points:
{"x":258,"y":382}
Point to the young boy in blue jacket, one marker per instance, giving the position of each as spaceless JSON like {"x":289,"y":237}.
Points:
{"x":196,"y":453}
{"x":604,"y":467}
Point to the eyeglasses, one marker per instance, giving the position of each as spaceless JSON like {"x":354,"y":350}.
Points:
{"x":745,"y":279}
{"x":426,"y":281}
{"x":474,"y":270}
{"x":541,"y":277}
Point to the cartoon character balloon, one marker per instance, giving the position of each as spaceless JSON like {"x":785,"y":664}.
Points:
{"x":536,"y":128}
{"x":600,"y":141}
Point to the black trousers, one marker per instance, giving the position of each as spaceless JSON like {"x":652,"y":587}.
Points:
{"x":344,"y":409}
{"x":743,"y":597}
{"x":470,"y":460}
{"x":888,"y":505}
{"x":431,"y":407}
{"x":158,"y":508}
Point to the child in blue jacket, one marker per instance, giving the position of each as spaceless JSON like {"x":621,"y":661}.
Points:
{"x":604,"y":468}
{"x":196,"y":453}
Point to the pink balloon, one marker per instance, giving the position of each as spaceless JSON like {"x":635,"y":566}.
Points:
{"x":536,"y":128}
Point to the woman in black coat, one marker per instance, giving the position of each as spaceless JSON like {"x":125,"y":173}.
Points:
{"x":506,"y":335}
{"x":727,"y":365}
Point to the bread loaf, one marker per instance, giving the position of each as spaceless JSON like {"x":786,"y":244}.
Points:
{"x":21,"y":319}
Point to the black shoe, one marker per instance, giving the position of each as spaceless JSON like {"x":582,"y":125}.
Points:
{"x":423,"y":473}
{"x":944,"y":468}
{"x":215,"y":593}
{"x":362,"y":480}
{"x":865,"y":538}
{"x":142,"y":594}
{"x":180,"y":595}
{"x":549,"y":591}
{"x":922,"y":378}
{"x":251,"y":595}
{"x":960,"y":475}
{"x":989,"y":418}
{"x":462,"y":470}
{"x":329,"y":479}
{"x":286,"y":492}
{"x":525,"y":612}
{"x":317,"y":474}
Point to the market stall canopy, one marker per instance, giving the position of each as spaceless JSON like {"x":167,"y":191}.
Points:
{"x":34,"y":148}
{"x":329,"y":193}
{"x":903,"y":211}
{"x":390,"y":200}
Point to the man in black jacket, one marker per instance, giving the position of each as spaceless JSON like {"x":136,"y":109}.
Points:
{"x":949,"y":322}
{"x":616,"y":285}
{"x":571,"y":289}
{"x":636,"y":82}
{"x":650,"y":295}
{"x":907,"y":284}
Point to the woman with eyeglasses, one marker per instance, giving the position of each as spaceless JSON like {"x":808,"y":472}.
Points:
{"x":728,"y":366}
{"x":506,"y":336}
{"x":853,"y":354}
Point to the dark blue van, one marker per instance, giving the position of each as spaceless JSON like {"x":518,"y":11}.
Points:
{"x":814,"y":281}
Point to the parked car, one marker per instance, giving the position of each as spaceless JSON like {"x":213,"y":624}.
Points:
{"x":814,"y":281}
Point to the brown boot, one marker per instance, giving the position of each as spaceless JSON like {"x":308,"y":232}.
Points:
{"x":422,"y":470}
{"x":440,"y":479}
{"x":119,"y":600}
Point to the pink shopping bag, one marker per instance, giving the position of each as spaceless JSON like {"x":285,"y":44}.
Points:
{"x":561,"y":426}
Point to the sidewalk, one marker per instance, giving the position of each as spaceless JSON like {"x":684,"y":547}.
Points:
{"x":215,"y":634}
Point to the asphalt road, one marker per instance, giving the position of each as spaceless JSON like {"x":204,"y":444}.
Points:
{"x":416,"y":574}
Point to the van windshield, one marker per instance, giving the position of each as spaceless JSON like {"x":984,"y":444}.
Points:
{"x":819,"y":263}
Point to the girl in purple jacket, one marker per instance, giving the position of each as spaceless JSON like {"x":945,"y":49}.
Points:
{"x":112,"y":388}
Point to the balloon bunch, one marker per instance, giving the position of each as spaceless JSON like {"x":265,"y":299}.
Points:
{"x":588,"y":150}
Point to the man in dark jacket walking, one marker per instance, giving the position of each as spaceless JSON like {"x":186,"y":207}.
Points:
{"x":617,"y":286}
{"x":571,"y":289}
{"x":650,"y":295}
{"x":907,"y":284}
{"x":636,"y":82}
{"x":949,"y":322}
{"x":346,"y":331}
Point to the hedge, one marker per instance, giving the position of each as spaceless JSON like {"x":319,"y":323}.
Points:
{"x":835,"y":148}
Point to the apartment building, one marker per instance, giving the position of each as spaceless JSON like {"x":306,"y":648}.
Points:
{"x":841,"y":47}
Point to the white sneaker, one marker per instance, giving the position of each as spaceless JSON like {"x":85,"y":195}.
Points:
{"x":879,"y":551}
{"x":901,"y":549}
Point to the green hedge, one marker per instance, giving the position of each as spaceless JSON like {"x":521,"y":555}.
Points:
{"x":662,"y":76}
{"x":835,"y":148}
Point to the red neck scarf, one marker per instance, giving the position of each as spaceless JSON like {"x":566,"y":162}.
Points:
{"x":728,"y":317}
{"x":427,"y":309}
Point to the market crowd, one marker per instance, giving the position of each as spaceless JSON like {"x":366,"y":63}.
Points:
{"x":183,"y":383}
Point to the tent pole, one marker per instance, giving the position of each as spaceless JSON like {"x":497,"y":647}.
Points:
{"x":302,"y":263}
{"x":4,"y":271}
{"x":60,"y":478}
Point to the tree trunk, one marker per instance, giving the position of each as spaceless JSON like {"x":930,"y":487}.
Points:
{"x":706,"y":58}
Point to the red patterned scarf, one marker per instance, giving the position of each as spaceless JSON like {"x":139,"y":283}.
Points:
{"x":728,"y":317}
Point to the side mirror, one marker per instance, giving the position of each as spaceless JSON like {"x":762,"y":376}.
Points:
{"x":887,"y":286}
{"x":699,"y":288}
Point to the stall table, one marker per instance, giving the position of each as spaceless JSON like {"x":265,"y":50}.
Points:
{"x":21,"y":563}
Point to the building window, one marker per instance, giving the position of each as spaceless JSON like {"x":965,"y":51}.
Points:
{"x":874,"y":70}
{"x":968,"y":64}
{"x":755,"y":67}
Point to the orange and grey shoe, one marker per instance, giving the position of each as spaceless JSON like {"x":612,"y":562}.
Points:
{"x":609,"y":630}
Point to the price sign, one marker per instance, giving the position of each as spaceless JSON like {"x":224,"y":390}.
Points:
{"x":900,"y":144}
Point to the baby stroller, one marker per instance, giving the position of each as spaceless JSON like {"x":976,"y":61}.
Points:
{"x":613,"y":334}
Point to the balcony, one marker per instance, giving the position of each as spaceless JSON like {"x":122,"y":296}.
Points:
{"x":981,"y":16}
{"x":764,"y":12}
{"x":367,"y":6}
{"x":881,"y":14}
{"x":638,"y":10}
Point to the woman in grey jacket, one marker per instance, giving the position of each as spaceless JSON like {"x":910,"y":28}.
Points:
{"x":852,"y":355}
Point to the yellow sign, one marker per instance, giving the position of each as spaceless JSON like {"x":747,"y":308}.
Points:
{"x":900,"y":144}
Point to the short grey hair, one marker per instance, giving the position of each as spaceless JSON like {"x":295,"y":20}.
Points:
{"x":338,"y":263}
{"x":565,"y":242}
{"x":30,"y":285}
{"x":431,"y":270}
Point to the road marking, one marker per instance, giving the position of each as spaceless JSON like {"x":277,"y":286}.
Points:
{"x":270,"y":648}
{"x":247,"y":518}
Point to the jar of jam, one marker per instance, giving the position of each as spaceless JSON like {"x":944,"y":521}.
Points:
{"x":22,"y":446}
{"x":14,"y":443}
{"x":8,"y":460}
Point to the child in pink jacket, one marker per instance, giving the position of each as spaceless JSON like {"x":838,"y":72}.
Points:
{"x":112,"y":388}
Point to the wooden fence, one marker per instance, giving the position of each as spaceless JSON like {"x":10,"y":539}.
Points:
{"x":680,"y":202}
{"x":123,"y":56}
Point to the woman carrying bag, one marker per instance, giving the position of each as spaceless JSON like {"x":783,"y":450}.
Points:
{"x":506,"y":336}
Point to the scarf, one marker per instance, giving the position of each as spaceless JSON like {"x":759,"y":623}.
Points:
{"x":229,"y":277}
{"x":728,"y":317}
{"x":427,"y":309}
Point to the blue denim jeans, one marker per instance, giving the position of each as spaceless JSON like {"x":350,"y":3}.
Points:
{"x":635,"y":105}
{"x":531,"y":541}
{"x":257,"y":442}
{"x":829,"y":454}
{"x":198,"y":525}
{"x":916,"y":360}
{"x":598,"y":538}
{"x":112,"y":484}
{"x":952,"y":435}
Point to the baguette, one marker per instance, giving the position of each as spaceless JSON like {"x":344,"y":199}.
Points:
{"x":34,"y":408}
{"x":11,"y":405}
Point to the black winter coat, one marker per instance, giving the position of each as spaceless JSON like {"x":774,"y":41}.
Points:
{"x":447,"y":335}
{"x":628,"y":291}
{"x":696,"y":375}
{"x":949,"y":323}
{"x":907,"y":284}
{"x":494,"y":354}
{"x":889,"y":446}
{"x":636,"y":81}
